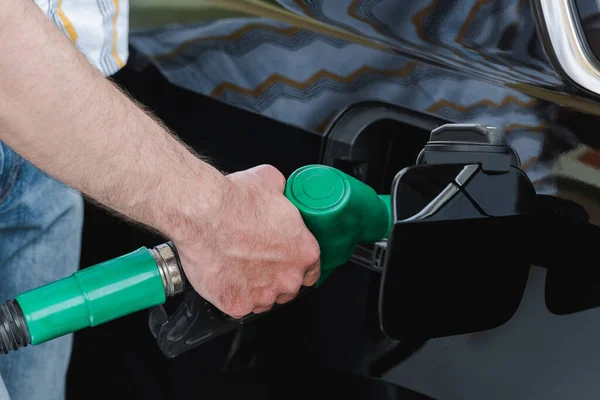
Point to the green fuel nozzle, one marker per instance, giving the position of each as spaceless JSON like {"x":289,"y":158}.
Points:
{"x":338,"y":209}
{"x":90,"y":297}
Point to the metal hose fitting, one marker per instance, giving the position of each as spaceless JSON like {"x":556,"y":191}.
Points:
{"x":170,"y":269}
{"x":13,"y":329}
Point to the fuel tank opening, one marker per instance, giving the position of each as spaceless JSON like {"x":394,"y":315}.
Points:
{"x":372,"y":141}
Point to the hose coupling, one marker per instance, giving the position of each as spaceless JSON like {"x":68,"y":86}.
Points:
{"x":170,"y":269}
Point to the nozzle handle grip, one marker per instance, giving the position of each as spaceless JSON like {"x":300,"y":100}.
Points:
{"x":93,"y":296}
{"x":339,"y":210}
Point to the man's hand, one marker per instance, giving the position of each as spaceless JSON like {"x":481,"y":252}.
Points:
{"x":256,"y":250}
{"x":243,"y":245}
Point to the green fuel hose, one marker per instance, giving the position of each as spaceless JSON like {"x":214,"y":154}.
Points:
{"x":338,"y":209}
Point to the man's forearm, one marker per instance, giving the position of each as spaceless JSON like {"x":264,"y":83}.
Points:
{"x":63,"y":116}
{"x":59,"y":113}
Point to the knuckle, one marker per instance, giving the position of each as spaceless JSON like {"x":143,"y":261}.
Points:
{"x":312,"y":277}
{"x":312,"y":252}
{"x":273,"y":173}
{"x":265,"y":299}
{"x":314,"y":273}
{"x":269,"y":169}
{"x":290,"y":285}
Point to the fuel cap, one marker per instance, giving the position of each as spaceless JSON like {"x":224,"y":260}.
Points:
{"x":469,"y":143}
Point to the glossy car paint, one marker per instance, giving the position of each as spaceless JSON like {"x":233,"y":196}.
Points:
{"x":494,"y":48}
{"x":484,"y":61}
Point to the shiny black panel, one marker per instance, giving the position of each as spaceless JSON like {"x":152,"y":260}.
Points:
{"x":460,"y":265}
{"x":566,"y":245}
{"x":511,"y":195}
{"x":274,"y":383}
{"x":452,"y":277}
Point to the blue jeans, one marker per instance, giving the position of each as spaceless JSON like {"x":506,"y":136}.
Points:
{"x":41,"y":221}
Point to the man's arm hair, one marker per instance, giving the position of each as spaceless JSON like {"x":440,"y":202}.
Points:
{"x":58,"y":112}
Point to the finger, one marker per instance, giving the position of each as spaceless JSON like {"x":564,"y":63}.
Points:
{"x":259,"y":310}
{"x":265,"y":175}
{"x":312,"y":275}
{"x":284,"y":298}
{"x":270,"y":177}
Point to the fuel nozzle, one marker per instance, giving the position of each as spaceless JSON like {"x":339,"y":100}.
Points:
{"x":91,"y":296}
{"x":338,"y":209}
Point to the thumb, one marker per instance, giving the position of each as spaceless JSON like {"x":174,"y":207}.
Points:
{"x":268,"y":176}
